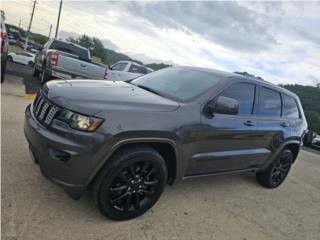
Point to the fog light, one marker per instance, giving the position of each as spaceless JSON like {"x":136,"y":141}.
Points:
{"x":58,"y":155}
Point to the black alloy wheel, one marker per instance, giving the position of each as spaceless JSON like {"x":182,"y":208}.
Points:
{"x":277,"y":172}
{"x":134,"y":187}
{"x":281,"y":169}
{"x":131,"y":183}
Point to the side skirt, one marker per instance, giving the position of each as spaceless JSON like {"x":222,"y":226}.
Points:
{"x":220,"y":173}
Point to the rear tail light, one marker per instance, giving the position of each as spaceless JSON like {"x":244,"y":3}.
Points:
{"x":54,"y":59}
{"x":106,"y":74}
{"x":3,"y":37}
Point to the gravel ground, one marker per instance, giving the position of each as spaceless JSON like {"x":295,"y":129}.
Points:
{"x":219,"y":207}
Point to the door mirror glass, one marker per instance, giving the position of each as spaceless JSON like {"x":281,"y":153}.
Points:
{"x":223,"y":105}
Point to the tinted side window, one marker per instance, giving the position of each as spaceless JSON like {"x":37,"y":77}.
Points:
{"x":244,"y":93}
{"x":82,"y":53}
{"x":137,"y":69}
{"x":290,"y":108}
{"x":269,"y":103}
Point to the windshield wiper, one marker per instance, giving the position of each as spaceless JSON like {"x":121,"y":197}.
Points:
{"x":149,"y":89}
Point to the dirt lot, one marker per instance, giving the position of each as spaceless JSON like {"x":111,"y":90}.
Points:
{"x":220,"y":207}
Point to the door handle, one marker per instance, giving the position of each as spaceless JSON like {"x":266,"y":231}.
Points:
{"x":248,"y":123}
{"x":81,"y":65}
{"x":284,"y":124}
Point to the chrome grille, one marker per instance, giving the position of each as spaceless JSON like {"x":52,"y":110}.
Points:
{"x":43,"y":110}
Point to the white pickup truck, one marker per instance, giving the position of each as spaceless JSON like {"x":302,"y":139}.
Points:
{"x":65,"y":60}
{"x":127,"y":70}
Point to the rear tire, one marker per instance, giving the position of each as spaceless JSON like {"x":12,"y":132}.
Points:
{"x":277,"y":172}
{"x":35,"y":72}
{"x":9,"y":59}
{"x":131,"y":183}
{"x":44,"y":77}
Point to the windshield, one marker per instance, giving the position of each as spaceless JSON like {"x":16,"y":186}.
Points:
{"x":178,"y":83}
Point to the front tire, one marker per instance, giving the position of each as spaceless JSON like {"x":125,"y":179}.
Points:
{"x":131,"y":183}
{"x":277,"y":172}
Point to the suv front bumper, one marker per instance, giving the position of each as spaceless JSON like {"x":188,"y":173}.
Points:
{"x":68,"y":158}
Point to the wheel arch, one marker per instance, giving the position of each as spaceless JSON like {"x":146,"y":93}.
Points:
{"x":293,"y":146}
{"x":166,"y":148}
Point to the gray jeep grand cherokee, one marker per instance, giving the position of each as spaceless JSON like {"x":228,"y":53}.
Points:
{"x":127,"y":140}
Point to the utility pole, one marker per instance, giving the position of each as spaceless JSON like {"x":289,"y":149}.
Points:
{"x":58,"y":21}
{"x":50,"y":31}
{"x":28,"y":33}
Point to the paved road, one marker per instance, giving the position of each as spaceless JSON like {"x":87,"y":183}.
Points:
{"x":220,"y":207}
{"x":31,"y":83}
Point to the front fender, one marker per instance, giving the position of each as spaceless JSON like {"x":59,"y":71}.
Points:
{"x":137,"y":140}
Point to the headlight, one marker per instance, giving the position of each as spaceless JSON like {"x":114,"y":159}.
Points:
{"x":80,"y":122}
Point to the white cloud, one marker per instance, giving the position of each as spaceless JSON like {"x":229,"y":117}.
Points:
{"x":278,"y":41}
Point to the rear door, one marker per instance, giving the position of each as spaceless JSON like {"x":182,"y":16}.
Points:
{"x":272,"y":128}
{"x":228,"y":142}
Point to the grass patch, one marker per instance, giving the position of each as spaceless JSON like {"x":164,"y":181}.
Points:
{"x":13,"y":48}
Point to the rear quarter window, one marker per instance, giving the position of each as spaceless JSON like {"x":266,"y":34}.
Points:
{"x":290,"y":107}
{"x":137,"y":69}
{"x":269,"y":103}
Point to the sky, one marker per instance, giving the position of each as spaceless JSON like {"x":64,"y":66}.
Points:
{"x":279,"y":41}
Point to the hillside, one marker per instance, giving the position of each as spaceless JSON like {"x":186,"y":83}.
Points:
{"x":310,"y":100}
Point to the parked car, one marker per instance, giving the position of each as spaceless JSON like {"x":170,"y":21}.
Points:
{"x":127,"y":70}
{"x":12,"y":40}
{"x":308,"y":137}
{"x":127,"y":140}
{"x":4,"y":47}
{"x":33,"y":50}
{"x":316,"y":142}
{"x":20,"y":44}
{"x":21,"y":57}
{"x":65,"y":60}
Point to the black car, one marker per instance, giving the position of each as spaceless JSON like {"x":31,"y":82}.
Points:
{"x":127,"y":140}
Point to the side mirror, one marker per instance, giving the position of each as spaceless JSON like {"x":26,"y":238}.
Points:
{"x":223,"y":105}
{"x":109,"y":67}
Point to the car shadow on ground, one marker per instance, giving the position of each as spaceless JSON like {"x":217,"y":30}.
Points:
{"x":185,"y":189}
{"x":32,"y":84}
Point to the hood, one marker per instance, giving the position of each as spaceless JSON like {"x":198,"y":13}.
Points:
{"x":92,"y":96}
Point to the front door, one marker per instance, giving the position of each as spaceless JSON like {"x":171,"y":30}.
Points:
{"x":228,"y":142}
